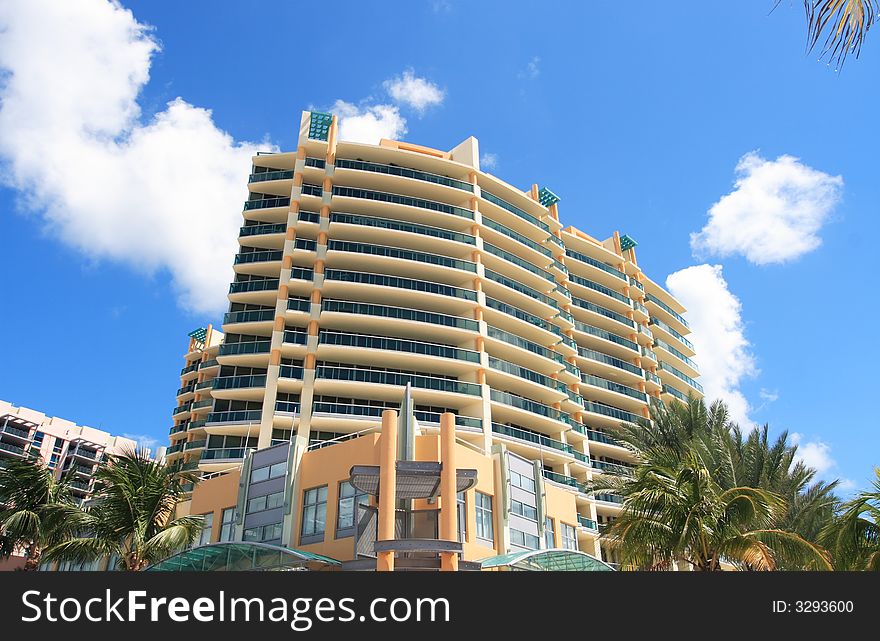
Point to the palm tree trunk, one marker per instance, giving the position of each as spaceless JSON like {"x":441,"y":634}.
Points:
{"x":32,"y":558}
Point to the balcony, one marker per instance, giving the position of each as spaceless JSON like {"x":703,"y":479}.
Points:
{"x":195,"y":445}
{"x":238,"y":382}
{"x":12,"y":449}
{"x":295,"y":337}
{"x":531,"y":319}
{"x":225,"y":453}
{"x":527,"y":374}
{"x":189,"y":368}
{"x":251,"y":347}
{"x":601,"y":289}
{"x":401,"y":254}
{"x":604,"y":312}
{"x":522,"y":289}
{"x":398,"y":345}
{"x":398,"y":199}
{"x":254,"y":286}
{"x":402,"y":226}
{"x":180,"y":409}
{"x":601,"y":437}
{"x":402,"y":313}
{"x":513,"y":235}
{"x":674,"y":392}
{"x":258,"y":256}
{"x":237,"y":416}
{"x":599,"y":357}
{"x":672,"y":332}
{"x":611,"y":468}
{"x":513,"y":209}
{"x":266,"y":203}
{"x":590,"y":524}
{"x":666,"y":367}
{"x":612,"y":412}
{"x":15,"y":432}
{"x":203,"y":385}
{"x":249,"y":316}
{"x":561,"y":478}
{"x":263,"y":176}
{"x":611,"y":386}
{"x":587,"y":260}
{"x":299,"y":305}
{"x":174,"y":449}
{"x":517,"y":341}
{"x":199,"y":405}
{"x":293,"y":372}
{"x":531,"y":437}
{"x":609,"y":498}
{"x":651,"y":377}
{"x":528,"y":405}
{"x":396,"y":378}
{"x":178,"y":429}
{"x":403,"y":172}
{"x":666,"y":308}
{"x":400,"y":283}
{"x":605,"y":334}
{"x":262,"y":230}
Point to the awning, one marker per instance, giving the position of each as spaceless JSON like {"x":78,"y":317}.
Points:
{"x":240,"y":556}
{"x":547,"y":561}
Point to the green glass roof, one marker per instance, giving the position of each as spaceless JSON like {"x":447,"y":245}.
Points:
{"x":319,"y":125}
{"x":627,"y":243}
{"x":232,"y":557}
{"x":199,"y":334}
{"x":547,"y":561}
{"x":547,"y":197}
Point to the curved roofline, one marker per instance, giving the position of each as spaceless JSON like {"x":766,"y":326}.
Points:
{"x":511,"y":559}
{"x":299,"y":555}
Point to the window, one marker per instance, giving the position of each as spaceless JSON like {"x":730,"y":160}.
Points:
{"x":268,"y":502}
{"x":549,"y":538}
{"x":485,"y":529}
{"x":461,"y":511}
{"x":271,"y":472}
{"x":279,"y":469}
{"x":227,"y":526}
{"x":346,"y":513}
{"x":523,"y":482}
{"x":314,"y":514}
{"x":260,"y":474}
{"x":524,"y":540}
{"x":207,"y":526}
{"x":569,"y":537}
{"x":525,"y":511}
{"x":263,"y":533}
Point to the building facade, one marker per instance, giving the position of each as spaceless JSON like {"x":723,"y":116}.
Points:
{"x":366,"y":268}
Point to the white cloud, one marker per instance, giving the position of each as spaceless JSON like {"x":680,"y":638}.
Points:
{"x":414,"y":91}
{"x":144,"y":440}
{"x":488,"y":161}
{"x":773,"y":215}
{"x":768,"y":395}
{"x":159,"y":196}
{"x":441,"y":6}
{"x":369,"y":124}
{"x":847,"y":485}
{"x":715,"y":317}
{"x":815,"y":454}
{"x":533,"y":68}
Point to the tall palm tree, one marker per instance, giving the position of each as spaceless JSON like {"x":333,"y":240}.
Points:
{"x":35,"y":510}
{"x":131,"y":515}
{"x":843,"y":23}
{"x":854,"y":536}
{"x":700,"y":494}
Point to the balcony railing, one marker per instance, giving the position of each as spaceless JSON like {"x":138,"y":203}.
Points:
{"x":609,"y":336}
{"x":237,"y":416}
{"x":667,"y":389}
{"x":253,"y":286}
{"x":403,"y":313}
{"x":258,"y":256}
{"x":397,"y":345}
{"x":678,"y":354}
{"x":590,"y":524}
{"x":601,"y":437}
{"x":279,"y":174}
{"x":613,"y":412}
{"x":195,"y":445}
{"x":659,"y":323}
{"x":403,"y":254}
{"x":394,"y":170}
{"x":12,"y":449}
{"x":249,"y":316}
{"x":518,"y":341}
{"x":526,"y":374}
{"x":651,"y":376}
{"x":609,"y":498}
{"x":262,"y":230}
{"x":402,"y":283}
{"x":294,"y":372}
{"x":251,"y":347}
{"x":507,"y":231}
{"x":299,"y":304}
{"x":595,"y":263}
{"x":602,"y":311}
{"x":681,"y":376}
{"x":400,"y":225}
{"x":531,"y":437}
{"x":238,"y":382}
{"x":611,"y":386}
{"x":599,"y":357}
{"x":611,"y":468}
{"x":522,"y":289}
{"x":510,"y":310}
{"x":266,"y":203}
{"x":396,"y":378}
{"x":513,"y":209}
{"x":597,"y":287}
{"x":368,"y":194}
{"x":15,"y":431}
{"x":666,"y":308}
{"x":180,"y":409}
{"x":225,"y":453}
{"x":516,"y":260}
{"x":520,"y":402}
{"x":561,"y":478}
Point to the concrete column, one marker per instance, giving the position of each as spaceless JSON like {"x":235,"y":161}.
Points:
{"x":387,"y":488}
{"x":448,"y":494}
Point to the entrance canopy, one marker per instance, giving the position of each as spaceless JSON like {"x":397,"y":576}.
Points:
{"x":238,"y":556}
{"x":546,"y":561}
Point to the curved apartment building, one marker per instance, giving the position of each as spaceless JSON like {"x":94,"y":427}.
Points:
{"x":366,"y":268}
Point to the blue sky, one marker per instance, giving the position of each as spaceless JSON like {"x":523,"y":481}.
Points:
{"x":636,"y":118}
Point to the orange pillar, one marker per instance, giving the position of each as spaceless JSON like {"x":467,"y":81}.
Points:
{"x":448,"y":494}
{"x":387,"y":488}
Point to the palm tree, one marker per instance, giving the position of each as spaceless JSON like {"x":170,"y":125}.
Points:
{"x":854,"y":536}
{"x":690,"y":497}
{"x":131,"y":515}
{"x":844,"y":23}
{"x":35,"y":510}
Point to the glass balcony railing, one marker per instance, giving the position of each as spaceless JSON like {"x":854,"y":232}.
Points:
{"x":647,"y":353}
{"x":611,"y":411}
{"x":402,"y":283}
{"x":287,"y":407}
{"x":368,"y":194}
{"x":651,"y":376}
{"x":195,"y":445}
{"x":209,"y":364}
{"x":180,"y":409}
{"x":531,"y":437}
{"x":674,"y":392}
{"x":666,"y":308}
{"x":308,"y":217}
{"x":599,"y":357}
{"x":375,"y":411}
{"x":295,"y":337}
{"x":601,"y":437}
{"x":611,"y":468}
{"x":189,"y":368}
{"x":394,"y":170}
{"x":299,"y":304}
{"x":178,"y":429}
{"x":399,"y":225}
{"x":398,"y":345}
{"x":258,"y":257}
{"x":185,"y":389}
{"x":636,"y":284}
{"x":305,"y":244}
{"x":572,"y":369}
{"x":607,"y":313}
{"x":609,"y":498}
{"x":225,"y":453}
{"x":611,"y":386}
{"x":659,"y":323}
{"x":266,"y":203}
{"x":278,"y":174}
{"x":522,"y":289}
{"x":513,"y":209}
{"x":402,"y":313}
{"x":194,"y":425}
{"x":522,"y":343}
{"x":295,"y":372}
{"x":237,"y":416}
{"x":402,"y":254}
{"x":675,"y":352}
{"x":590,"y":524}
{"x":510,"y":310}
{"x":507,"y":231}
{"x":608,"y":336}
{"x":681,"y":376}
{"x":253,"y":286}
{"x":317,"y":163}
{"x":526,"y":374}
{"x":262,"y":230}
{"x":641,"y":308}
{"x":561,"y":478}
{"x":566,"y":316}
{"x":312,"y":190}
{"x":251,"y":347}
{"x":249,"y":316}
{"x":239,"y":382}
{"x":520,"y":402}
{"x":396,"y":378}
{"x":302,"y":273}
{"x":596,"y":263}
{"x":516,"y":260}
{"x":12,"y":449}
{"x":208,"y":402}
{"x":597,"y":287}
